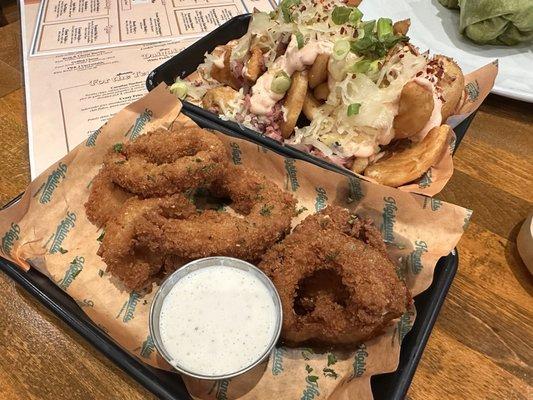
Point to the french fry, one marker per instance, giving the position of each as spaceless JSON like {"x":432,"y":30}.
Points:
{"x":414,"y":110}
{"x":318,"y":72}
{"x":254,"y":65}
{"x":310,"y":107}
{"x":321,"y":92}
{"x":452,"y":83}
{"x":218,"y":98}
{"x":410,"y":163}
{"x":294,"y":102}
{"x":224,"y":75}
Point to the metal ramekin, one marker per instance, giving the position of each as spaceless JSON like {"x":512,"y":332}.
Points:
{"x":168,"y":284}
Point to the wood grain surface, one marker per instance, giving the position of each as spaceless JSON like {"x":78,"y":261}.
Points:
{"x":481,"y":347}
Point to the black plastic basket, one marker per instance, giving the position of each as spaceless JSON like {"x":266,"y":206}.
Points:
{"x":187,"y":61}
{"x":168,"y":385}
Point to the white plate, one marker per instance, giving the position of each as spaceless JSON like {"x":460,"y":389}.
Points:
{"x":436,"y":28}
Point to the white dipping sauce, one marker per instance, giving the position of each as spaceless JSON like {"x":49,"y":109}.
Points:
{"x":217,"y":320}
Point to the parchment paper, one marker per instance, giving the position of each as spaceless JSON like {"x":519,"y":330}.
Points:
{"x":48,"y":229}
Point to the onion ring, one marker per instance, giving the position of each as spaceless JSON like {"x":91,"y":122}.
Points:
{"x":132,"y":263}
{"x":267,"y":212}
{"x":336,"y":282}
{"x":105,"y":199}
{"x":163,"y":162}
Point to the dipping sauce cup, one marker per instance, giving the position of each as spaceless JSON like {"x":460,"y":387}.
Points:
{"x":216,"y":318}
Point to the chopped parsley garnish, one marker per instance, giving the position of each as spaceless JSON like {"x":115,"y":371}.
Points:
{"x":301,"y":210}
{"x":287,"y":7}
{"x":312,"y":378}
{"x":117,"y":147}
{"x":353,"y":109}
{"x":266,"y":210}
{"x":62,"y":250}
{"x":331,"y":359}
{"x":308,"y":368}
{"x":101,"y":237}
{"x":330,"y":373}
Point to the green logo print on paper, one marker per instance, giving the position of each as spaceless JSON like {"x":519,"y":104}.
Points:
{"x":74,"y":269}
{"x":277,"y":360}
{"x":52,"y":182}
{"x":311,"y":389}
{"x":147,"y":347}
{"x":221,"y":389}
{"x":359,"y":361}
{"x":355,"y":191}
{"x":292,"y":175}
{"x":389,"y":218}
{"x":425,"y":180}
{"x":414,"y":260}
{"x":404,"y":325}
{"x":321,"y":198}
{"x":9,"y":238}
{"x":91,"y":140}
{"x":435,"y":204}
{"x":140,"y":123}
{"x":236,"y":153}
{"x":128,"y":309}
{"x":62,"y":231}
{"x":472,"y":90}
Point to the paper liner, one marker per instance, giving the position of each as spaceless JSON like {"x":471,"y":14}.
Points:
{"x":478,"y":85}
{"x":48,"y":228}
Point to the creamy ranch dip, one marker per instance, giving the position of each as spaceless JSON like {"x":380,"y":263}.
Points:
{"x":217,"y":320}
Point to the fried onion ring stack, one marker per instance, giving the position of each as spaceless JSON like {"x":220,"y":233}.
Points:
{"x":264,"y":217}
{"x":144,"y":199}
{"x":337,"y":284}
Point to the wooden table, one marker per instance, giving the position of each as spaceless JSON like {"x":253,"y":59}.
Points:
{"x":481,"y":347}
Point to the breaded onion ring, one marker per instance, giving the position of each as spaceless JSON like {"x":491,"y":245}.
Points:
{"x":268,"y":211}
{"x":132,"y":263}
{"x":165,"y":162}
{"x":336,"y":282}
{"x":105,"y":199}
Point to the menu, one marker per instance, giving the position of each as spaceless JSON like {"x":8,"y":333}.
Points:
{"x":70,"y":95}
{"x":73,"y":25}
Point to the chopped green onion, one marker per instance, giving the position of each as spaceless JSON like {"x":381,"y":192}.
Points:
{"x":368,"y":27}
{"x":355,"y":16}
{"x":360,"y":66}
{"x":384,"y":28}
{"x":299,"y":39}
{"x":353,"y":109}
{"x":340,"y":15}
{"x":286,"y":9}
{"x":391,"y":40}
{"x":117,"y":147}
{"x":179,"y":88}
{"x":341,"y":48}
{"x":281,"y":83}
